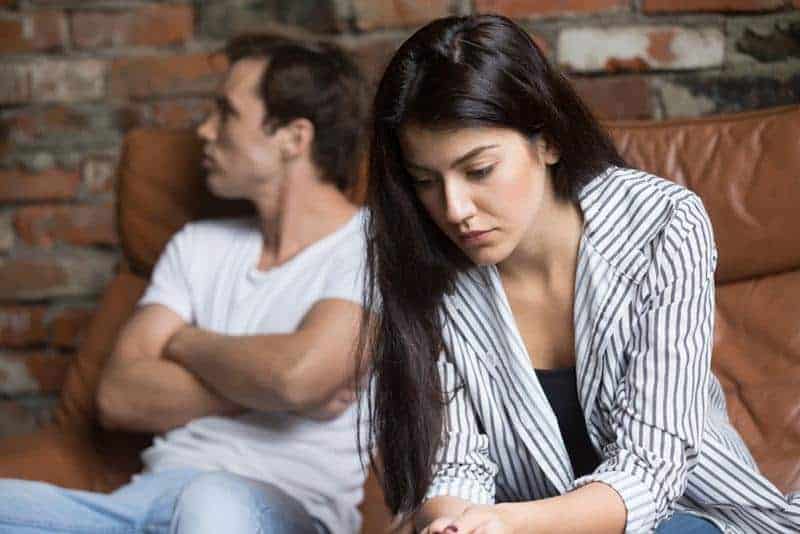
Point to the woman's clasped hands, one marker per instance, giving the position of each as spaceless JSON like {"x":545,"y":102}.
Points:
{"x":479,"y":519}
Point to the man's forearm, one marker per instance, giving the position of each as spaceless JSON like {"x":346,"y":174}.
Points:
{"x":253,"y":371}
{"x":156,"y":396}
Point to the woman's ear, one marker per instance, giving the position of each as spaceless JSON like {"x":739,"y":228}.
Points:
{"x":548,"y":152}
{"x":298,"y":136}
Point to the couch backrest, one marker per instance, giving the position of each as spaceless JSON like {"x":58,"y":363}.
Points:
{"x":745,"y":167}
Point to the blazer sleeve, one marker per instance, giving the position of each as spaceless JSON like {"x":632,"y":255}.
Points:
{"x":462,"y":466}
{"x":661,"y":404}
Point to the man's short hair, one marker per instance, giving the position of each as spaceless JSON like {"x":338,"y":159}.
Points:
{"x":314,"y":80}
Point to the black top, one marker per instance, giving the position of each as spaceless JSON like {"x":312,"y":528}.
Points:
{"x":561,"y":388}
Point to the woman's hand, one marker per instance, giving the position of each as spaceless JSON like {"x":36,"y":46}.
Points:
{"x":479,"y":519}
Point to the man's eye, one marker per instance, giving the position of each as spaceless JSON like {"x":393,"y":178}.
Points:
{"x":483,"y":172}
{"x":223,"y":108}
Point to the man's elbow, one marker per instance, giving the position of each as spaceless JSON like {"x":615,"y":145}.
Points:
{"x":111,"y":411}
{"x":300,"y":389}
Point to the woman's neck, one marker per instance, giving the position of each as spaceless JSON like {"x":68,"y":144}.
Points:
{"x":550,"y":249}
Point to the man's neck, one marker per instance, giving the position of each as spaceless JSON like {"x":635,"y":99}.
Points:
{"x":304,"y":211}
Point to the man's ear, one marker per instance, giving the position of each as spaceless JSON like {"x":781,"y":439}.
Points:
{"x":297,"y":138}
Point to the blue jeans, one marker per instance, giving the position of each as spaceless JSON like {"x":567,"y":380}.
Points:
{"x":176,"y":502}
{"x":683,"y":523}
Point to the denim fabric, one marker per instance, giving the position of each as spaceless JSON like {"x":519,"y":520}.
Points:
{"x":683,"y":523}
{"x":175,"y":502}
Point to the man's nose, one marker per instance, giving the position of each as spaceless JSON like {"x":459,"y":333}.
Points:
{"x":207,"y":129}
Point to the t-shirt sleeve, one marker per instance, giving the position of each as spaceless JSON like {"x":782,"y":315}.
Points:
{"x":169,"y":284}
{"x":345,"y":277}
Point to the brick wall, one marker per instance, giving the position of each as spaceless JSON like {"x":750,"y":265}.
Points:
{"x":76,"y":74}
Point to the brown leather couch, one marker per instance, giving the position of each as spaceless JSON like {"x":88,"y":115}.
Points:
{"x":745,"y":167}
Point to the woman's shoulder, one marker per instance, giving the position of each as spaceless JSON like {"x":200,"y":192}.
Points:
{"x":632,"y":188}
{"x":625,"y":210}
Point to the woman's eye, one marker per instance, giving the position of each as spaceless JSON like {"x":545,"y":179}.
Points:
{"x":483,"y":172}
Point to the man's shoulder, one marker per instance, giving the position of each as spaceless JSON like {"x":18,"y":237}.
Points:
{"x":205,"y":232}
{"x":346,"y":243}
{"x":220,"y":227}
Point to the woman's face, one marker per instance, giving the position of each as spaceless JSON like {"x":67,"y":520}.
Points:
{"x":485,"y":188}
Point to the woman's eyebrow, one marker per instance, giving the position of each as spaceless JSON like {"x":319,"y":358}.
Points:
{"x":461,"y":159}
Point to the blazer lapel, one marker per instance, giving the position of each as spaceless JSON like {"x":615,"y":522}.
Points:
{"x":600,"y":296}
{"x":486,"y":321}
{"x":618,"y":225}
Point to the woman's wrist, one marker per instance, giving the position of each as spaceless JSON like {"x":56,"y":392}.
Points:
{"x":519,"y":517}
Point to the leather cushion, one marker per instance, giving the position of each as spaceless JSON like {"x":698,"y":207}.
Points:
{"x":746,"y":168}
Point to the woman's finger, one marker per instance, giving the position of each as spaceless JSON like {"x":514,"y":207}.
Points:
{"x":439,"y":526}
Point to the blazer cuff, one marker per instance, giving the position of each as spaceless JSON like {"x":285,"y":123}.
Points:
{"x":638,"y":499}
{"x":468,"y":490}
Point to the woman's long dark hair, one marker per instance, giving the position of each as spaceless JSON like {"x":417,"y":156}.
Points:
{"x":480,"y":70}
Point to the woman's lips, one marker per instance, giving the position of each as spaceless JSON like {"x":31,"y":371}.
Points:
{"x":475,"y":238}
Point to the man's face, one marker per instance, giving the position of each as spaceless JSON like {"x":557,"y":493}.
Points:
{"x":241,"y":154}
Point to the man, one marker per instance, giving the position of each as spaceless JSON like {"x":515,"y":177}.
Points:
{"x":240,"y":352}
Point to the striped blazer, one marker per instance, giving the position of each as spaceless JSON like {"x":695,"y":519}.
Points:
{"x":643,"y":320}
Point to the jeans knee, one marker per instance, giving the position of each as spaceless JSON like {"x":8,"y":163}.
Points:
{"x":223,"y":502}
{"x":213,"y":493}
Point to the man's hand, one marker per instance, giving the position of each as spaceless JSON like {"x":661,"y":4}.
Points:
{"x":295,"y":372}
{"x":478,"y":519}
{"x":141,"y":390}
{"x":180,"y":340}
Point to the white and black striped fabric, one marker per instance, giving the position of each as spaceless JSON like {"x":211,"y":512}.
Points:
{"x":643,"y":319}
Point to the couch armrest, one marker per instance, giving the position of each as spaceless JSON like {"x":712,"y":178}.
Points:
{"x":70,"y":457}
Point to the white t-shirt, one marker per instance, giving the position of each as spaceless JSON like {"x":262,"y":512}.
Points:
{"x":208,"y":275}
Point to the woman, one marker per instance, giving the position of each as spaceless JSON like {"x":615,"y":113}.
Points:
{"x":544,"y":320}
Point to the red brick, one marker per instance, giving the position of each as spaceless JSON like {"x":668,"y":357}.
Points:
{"x":22,"y":326}
{"x":68,"y":80}
{"x":372,"y":53}
{"x":37,"y":31}
{"x":7,"y":236}
{"x":32,"y":274}
{"x":155,"y":76}
{"x":48,"y":371}
{"x":53,"y":184}
{"x":640,"y":48}
{"x":675,"y":6}
{"x":20,"y":278}
{"x":398,"y":13}
{"x":26,"y":373}
{"x":16,"y":419}
{"x":69,"y":326}
{"x":178,"y":113}
{"x":152,"y":25}
{"x":31,"y":124}
{"x":616,"y":98}
{"x":98,"y":172}
{"x":15,"y":83}
{"x":82,"y":225}
{"x":544,"y":8}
